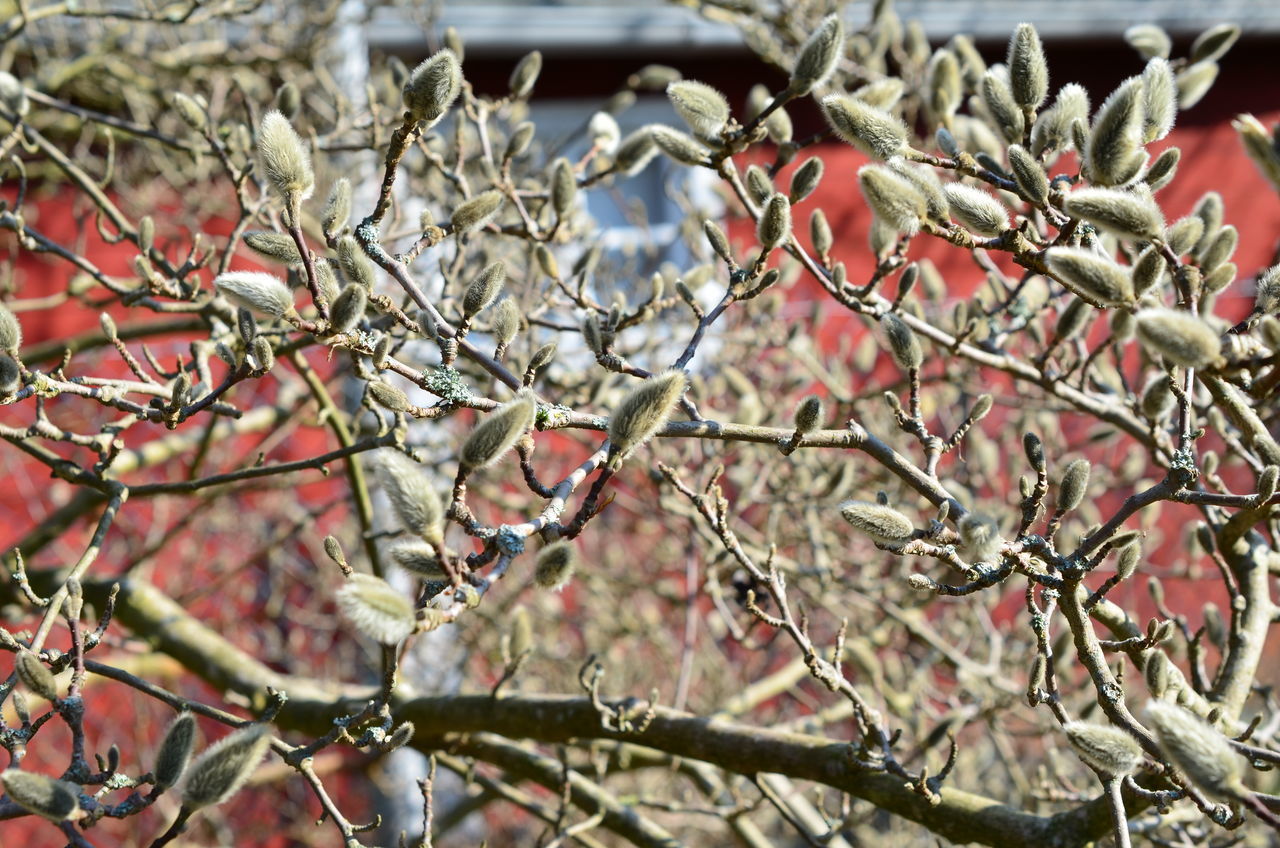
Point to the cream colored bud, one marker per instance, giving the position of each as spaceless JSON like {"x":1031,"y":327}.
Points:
{"x":418,"y":558}
{"x":1009,"y":118}
{"x":1194,"y":82}
{"x":376,"y":609}
{"x":1220,"y":248}
{"x":1091,"y":276}
{"x":1149,"y":40}
{"x":1183,"y":234}
{"x":555,"y":566}
{"x":276,"y":246}
{"x":1028,"y":69}
{"x":389,"y":396}
{"x":1180,"y":337}
{"x":1159,"y":100}
{"x":506,"y":320}
{"x":644,"y":411}
{"x":604,"y":133}
{"x":564,"y":188}
{"x":1028,"y":174}
{"x":1108,"y":749}
{"x":284,"y":159}
{"x":354,"y":263}
{"x":1266,"y":291}
{"x":871,"y":130}
{"x":1214,"y":42}
{"x":497,"y":432}
{"x":412,"y":496}
{"x":818,"y":57}
{"x":10,"y":330}
{"x":821,"y":236}
{"x":222,"y":768}
{"x":805,"y":179}
{"x":1052,"y":130}
{"x":521,"y":138}
{"x":1162,"y":171}
{"x":903,"y":344}
{"x":337,"y":209}
{"x":678,"y":146}
{"x":433,"y":86}
{"x":1197,"y":749}
{"x":882,"y":523}
{"x":976,"y":210}
{"x":255,"y":290}
{"x":1127,"y":561}
{"x":1127,"y":214}
{"x":808,"y":414}
{"x":892,"y":197}
{"x":635,"y":151}
{"x":191,"y":112}
{"x":1115,"y":155}
{"x":35,"y":675}
{"x":700,"y":106}
{"x":979,"y":536}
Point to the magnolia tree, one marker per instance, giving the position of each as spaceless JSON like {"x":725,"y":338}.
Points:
{"x":568,"y":550}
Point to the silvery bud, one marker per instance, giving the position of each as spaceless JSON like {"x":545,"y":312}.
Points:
{"x":555,"y":566}
{"x":276,"y":246}
{"x":1108,"y":749}
{"x":35,"y":675}
{"x":976,"y":210}
{"x":1074,"y":486}
{"x":433,"y":86}
{"x":348,"y":308}
{"x":1028,"y":69}
{"x":412,"y":497}
{"x":700,"y":106}
{"x":1091,"y":276}
{"x":175,"y":751}
{"x":284,"y":159}
{"x":477,"y":213}
{"x":337,"y":209}
{"x":871,"y":130}
{"x":882,"y":523}
{"x":55,"y":800}
{"x":255,"y":290}
{"x":525,"y":75}
{"x":1130,"y":215}
{"x":375,"y":608}
{"x":1198,"y":750}
{"x":644,"y":410}
{"x":484,"y":289}
{"x":220,"y":771}
{"x":774,"y":227}
{"x":1180,"y":337}
{"x":818,"y":57}
{"x":497,"y":432}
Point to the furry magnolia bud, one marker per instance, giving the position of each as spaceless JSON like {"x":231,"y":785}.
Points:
{"x":525,"y":74}
{"x":520,"y":139}
{"x":976,"y":210}
{"x":980,"y":537}
{"x":261,"y":292}
{"x":348,"y":308}
{"x":818,"y":57}
{"x":635,"y":151}
{"x":1108,"y":749}
{"x":700,"y":106}
{"x":174,"y":751}
{"x":35,"y":675}
{"x":223,"y":767}
{"x":1182,"y":338}
{"x":418,"y":558}
{"x":679,"y":146}
{"x":1028,"y":69}
{"x":412,"y":496}
{"x":882,"y":523}
{"x":10,"y":330}
{"x":506,"y":321}
{"x":564,"y":188}
{"x":822,"y":238}
{"x":1214,"y":42}
{"x":1159,"y":100}
{"x":1266,"y":295}
{"x":892,"y":197}
{"x":1126,"y":214}
{"x":1003,"y":108}
{"x":375,"y":608}
{"x":808,"y":414}
{"x":1149,"y":40}
{"x":1127,"y":562}
{"x":354,"y":263}
{"x":276,"y":246}
{"x":774,"y":227}
{"x":337,"y":209}
{"x":484,"y":289}
{"x":1091,"y":276}
{"x":1115,"y":155}
{"x":1075,"y":483}
{"x":433,"y":86}
{"x":1028,"y":174}
{"x":477,"y":212}
{"x":284,"y":159}
{"x":55,"y":800}
{"x":871,"y":130}
{"x":555,"y":565}
{"x":644,"y":410}
{"x":13,"y":95}
{"x":805,"y":179}
{"x":498,"y":432}
{"x":1198,"y":750}
{"x":903,"y":344}
{"x":604,"y":133}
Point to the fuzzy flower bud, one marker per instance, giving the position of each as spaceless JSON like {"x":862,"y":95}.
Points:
{"x":525,"y":75}
{"x":892,"y":197}
{"x":1180,"y":337}
{"x":871,"y":130}
{"x":808,"y":414}
{"x":700,"y":106}
{"x":412,"y":497}
{"x":643,"y":412}
{"x":418,"y":558}
{"x":818,"y":57}
{"x":55,"y":800}
{"x":555,"y":566}
{"x":774,"y":226}
{"x":1130,"y":215}
{"x":498,"y":432}
{"x":1091,"y":276}
{"x":976,"y":210}
{"x":477,"y":212}
{"x":35,"y":675}
{"x":348,"y":308}
{"x":1075,"y":483}
{"x":1108,"y":749}
{"x":1028,"y":69}
{"x":375,"y":608}
{"x":276,"y":246}
{"x":223,"y":767}
{"x":903,"y":344}
{"x":564,"y":188}
{"x":284,"y":159}
{"x":484,"y":289}
{"x":1115,"y":155}
{"x":261,"y":292}
{"x":10,"y":330}
{"x":175,"y":751}
{"x":1198,"y":750}
{"x":433,"y":86}
{"x":884,"y":524}
{"x":679,"y":146}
